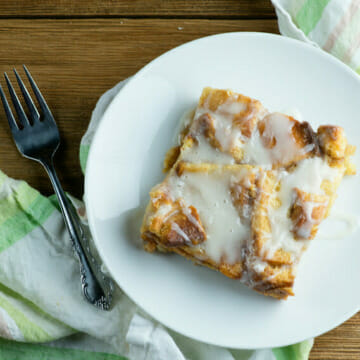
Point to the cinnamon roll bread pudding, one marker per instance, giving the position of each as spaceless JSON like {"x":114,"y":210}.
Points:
{"x":246,"y":190}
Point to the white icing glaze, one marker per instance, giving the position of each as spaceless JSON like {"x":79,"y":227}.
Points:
{"x":307,"y":176}
{"x":231,"y":107}
{"x":228,"y":135}
{"x":304,"y":231}
{"x":277,"y":126}
{"x":203,"y":151}
{"x":175,"y":227}
{"x":256,"y":153}
{"x":259,"y":266}
{"x":164,"y":211}
{"x":225,"y":133}
{"x":210,"y":194}
{"x":185,"y":119}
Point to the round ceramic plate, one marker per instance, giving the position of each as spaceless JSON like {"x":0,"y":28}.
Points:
{"x":125,"y":161}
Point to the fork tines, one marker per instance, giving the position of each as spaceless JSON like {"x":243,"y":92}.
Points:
{"x":34,"y":115}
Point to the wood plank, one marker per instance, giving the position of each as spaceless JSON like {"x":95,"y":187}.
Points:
{"x":341,"y":343}
{"x":139,"y":8}
{"x":75,"y":61}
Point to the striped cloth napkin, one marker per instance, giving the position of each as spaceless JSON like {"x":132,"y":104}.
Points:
{"x":333,"y":25}
{"x":40,"y":294}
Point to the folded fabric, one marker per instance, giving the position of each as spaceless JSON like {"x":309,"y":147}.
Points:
{"x":333,"y":25}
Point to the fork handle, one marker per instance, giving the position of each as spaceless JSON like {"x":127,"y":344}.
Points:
{"x":96,"y":287}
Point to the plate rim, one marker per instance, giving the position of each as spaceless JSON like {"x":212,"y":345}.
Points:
{"x":89,"y":165}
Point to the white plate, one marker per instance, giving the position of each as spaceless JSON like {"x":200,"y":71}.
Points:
{"x":125,"y":162}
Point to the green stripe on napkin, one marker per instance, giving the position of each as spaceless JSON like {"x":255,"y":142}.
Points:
{"x":10,"y":293}
{"x":20,"y":198}
{"x":30,"y":330}
{"x":299,"y":351}
{"x":310,"y":14}
{"x":39,"y":352}
{"x":24,"y":220}
{"x":84,"y":152}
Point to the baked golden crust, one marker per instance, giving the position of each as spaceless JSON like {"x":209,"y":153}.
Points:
{"x":246,"y":191}
{"x":301,"y":136}
{"x":170,"y":158}
{"x":306,"y":213}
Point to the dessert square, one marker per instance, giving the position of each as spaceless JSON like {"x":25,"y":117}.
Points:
{"x":246,"y":190}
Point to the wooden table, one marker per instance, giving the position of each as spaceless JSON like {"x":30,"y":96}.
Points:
{"x":76,"y":50}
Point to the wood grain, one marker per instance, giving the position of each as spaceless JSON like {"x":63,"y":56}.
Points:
{"x":342,"y":343}
{"x":139,"y":8}
{"x":75,"y":61}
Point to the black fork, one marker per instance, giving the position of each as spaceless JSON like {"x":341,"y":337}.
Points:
{"x":38,"y":138}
